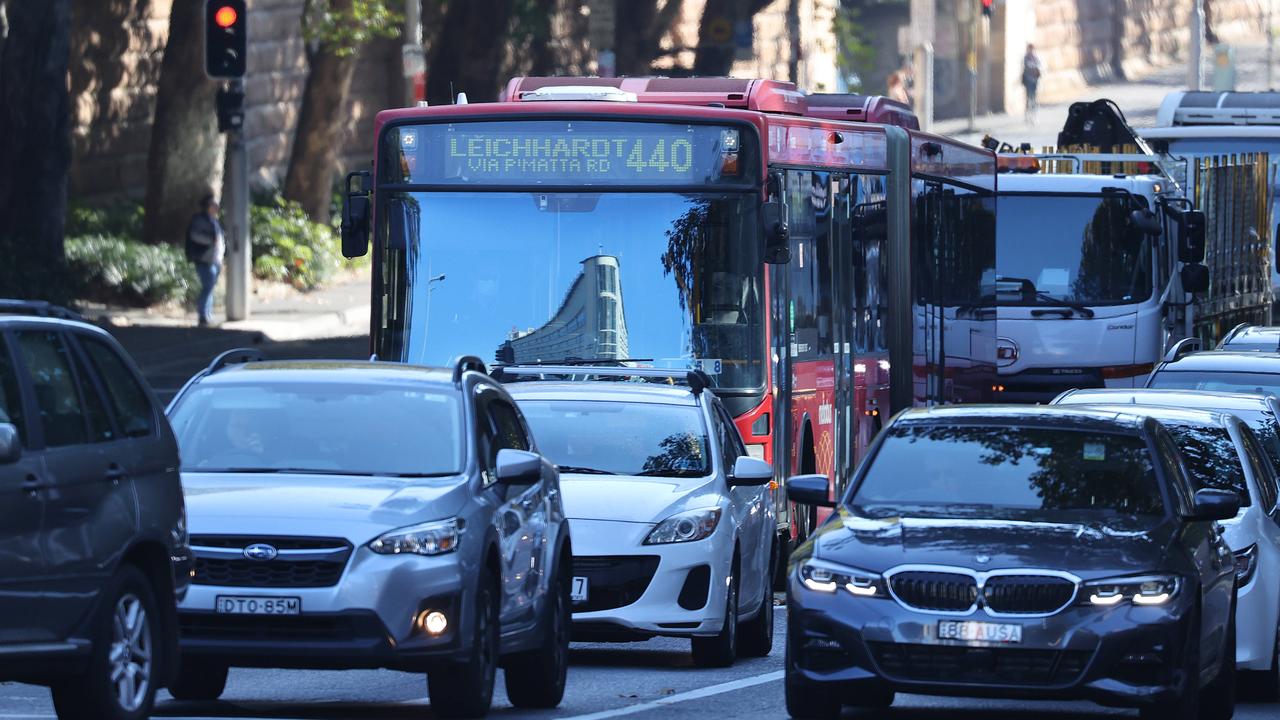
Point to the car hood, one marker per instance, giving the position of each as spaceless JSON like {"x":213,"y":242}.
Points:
{"x":628,"y":498}
{"x":355,"y":507}
{"x":1087,"y":550}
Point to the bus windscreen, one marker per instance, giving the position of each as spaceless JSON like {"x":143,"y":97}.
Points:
{"x":567,"y":152}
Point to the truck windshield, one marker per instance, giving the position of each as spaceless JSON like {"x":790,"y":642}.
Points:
{"x":1077,"y":249}
{"x":669,"y":279}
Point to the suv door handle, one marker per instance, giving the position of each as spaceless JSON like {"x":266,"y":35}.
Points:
{"x":114,"y":473}
{"x":32,"y":484}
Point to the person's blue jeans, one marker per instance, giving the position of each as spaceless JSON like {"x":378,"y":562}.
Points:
{"x":208,"y":273}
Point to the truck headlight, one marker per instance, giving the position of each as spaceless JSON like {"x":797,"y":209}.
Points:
{"x":433,"y":538}
{"x":1139,"y":590}
{"x":825,"y":577}
{"x":685,"y":527}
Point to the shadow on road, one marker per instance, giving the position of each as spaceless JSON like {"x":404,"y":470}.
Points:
{"x":630,"y":658}
{"x":292,"y":711}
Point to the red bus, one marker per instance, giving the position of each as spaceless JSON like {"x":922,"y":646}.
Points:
{"x":824,"y":273}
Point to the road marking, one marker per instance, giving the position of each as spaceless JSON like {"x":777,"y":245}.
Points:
{"x":698,"y":694}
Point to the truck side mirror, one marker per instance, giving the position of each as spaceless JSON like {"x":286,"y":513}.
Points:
{"x":1145,"y":221}
{"x":1195,"y":278}
{"x":355,"y":215}
{"x":777,"y":237}
{"x":1191,"y":239}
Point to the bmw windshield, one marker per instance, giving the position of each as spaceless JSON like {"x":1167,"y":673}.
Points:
{"x":546,"y":241}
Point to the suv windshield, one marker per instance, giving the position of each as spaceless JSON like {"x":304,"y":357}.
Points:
{"x":1076,"y":249}
{"x":1211,"y":457}
{"x":620,"y":438}
{"x":1011,"y":473}
{"x":329,"y":428}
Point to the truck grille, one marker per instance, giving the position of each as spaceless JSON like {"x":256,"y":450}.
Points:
{"x":983,"y":666}
{"x":1027,"y":594}
{"x":935,"y":591}
{"x":300,"y":562}
{"x":613,"y":581}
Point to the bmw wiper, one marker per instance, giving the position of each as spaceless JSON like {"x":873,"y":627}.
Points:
{"x":1044,"y":298}
{"x":671,"y":472}
{"x":584,"y":470}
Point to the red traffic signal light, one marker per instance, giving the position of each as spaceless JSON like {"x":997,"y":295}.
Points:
{"x":225,"y":16}
{"x":226,"y":38}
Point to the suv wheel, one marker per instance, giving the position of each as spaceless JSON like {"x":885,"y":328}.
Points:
{"x":120,"y":683}
{"x":465,"y":690}
{"x":757,"y":633}
{"x":199,"y":680}
{"x":536,"y":679}
{"x":722,"y":649}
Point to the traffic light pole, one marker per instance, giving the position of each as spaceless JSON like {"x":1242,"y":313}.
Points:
{"x":236,"y":191}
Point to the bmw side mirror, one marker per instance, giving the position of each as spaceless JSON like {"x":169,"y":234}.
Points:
{"x":809,"y":490}
{"x":10,"y":444}
{"x":518,"y":467}
{"x":750,"y":471}
{"x":355,"y":215}
{"x":1210,"y":504}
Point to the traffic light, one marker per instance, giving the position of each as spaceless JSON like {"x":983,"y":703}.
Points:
{"x":225,"y":38}
{"x":986,"y":7}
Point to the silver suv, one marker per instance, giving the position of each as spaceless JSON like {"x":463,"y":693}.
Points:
{"x":365,"y":515}
{"x":93,"y":547}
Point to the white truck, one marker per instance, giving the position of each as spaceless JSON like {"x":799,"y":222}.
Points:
{"x":1104,"y":260}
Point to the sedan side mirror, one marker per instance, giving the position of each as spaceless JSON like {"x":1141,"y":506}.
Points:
{"x":10,"y":444}
{"x":809,"y":490}
{"x":750,"y":471}
{"x":518,"y":467}
{"x":1214,"y":505}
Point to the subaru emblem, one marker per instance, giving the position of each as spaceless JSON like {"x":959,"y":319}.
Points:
{"x":261,"y":551}
{"x":982,"y":559}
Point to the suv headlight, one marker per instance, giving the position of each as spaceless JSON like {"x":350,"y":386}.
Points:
{"x":1139,"y":590}
{"x":1246,"y":565}
{"x":685,"y":527}
{"x":825,"y":577}
{"x":433,"y":538}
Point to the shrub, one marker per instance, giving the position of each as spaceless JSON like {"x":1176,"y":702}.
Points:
{"x":123,"y":217}
{"x":289,"y":247}
{"x":121,"y":270}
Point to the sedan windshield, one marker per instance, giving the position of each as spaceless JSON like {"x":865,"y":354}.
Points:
{"x":338,"y":429}
{"x":617,"y":438}
{"x":1088,"y":254}
{"x":1240,"y":382}
{"x":1011,"y":473}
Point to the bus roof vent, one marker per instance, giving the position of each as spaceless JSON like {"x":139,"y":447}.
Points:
{"x":577,"y":92}
{"x":862,"y":108}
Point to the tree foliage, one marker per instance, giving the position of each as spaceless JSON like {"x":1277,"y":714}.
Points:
{"x":855,"y":55}
{"x":342,"y":26}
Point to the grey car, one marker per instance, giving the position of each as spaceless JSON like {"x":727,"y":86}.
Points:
{"x":93,"y":546}
{"x":371,"y":515}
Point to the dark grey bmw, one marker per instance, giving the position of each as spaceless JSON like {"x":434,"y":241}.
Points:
{"x":1016,"y":551}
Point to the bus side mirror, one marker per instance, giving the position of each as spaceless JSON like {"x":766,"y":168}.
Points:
{"x":1195,"y":278}
{"x":355,"y":215}
{"x":777,"y":238}
{"x":1191,"y":239}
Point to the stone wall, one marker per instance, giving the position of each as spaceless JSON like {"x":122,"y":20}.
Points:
{"x":117,"y":48}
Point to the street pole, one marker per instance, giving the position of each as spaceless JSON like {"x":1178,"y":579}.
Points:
{"x":924,"y":86}
{"x":1271,"y":44}
{"x":239,"y":255}
{"x":973,"y":68}
{"x":1197,"y":45}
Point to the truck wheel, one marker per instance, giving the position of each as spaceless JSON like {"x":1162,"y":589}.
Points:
{"x":465,"y":689}
{"x":199,"y":680}
{"x":536,"y":679}
{"x":120,"y":683}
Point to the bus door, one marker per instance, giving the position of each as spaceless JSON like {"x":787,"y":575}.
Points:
{"x":930,"y":351}
{"x":846,"y":410}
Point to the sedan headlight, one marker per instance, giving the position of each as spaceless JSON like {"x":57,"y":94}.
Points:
{"x":1139,"y":590}
{"x":825,"y":577}
{"x":433,"y":538}
{"x":685,"y":527}
{"x":1246,"y":565}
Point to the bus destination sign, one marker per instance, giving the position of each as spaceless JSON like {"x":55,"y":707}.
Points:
{"x":564,"y":152}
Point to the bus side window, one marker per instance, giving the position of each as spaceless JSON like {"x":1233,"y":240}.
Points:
{"x":802,"y":220}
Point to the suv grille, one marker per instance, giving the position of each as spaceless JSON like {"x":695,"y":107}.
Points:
{"x":987,"y":666}
{"x":925,"y":590}
{"x":613,"y":581}
{"x":1031,"y":594}
{"x":301,"y":561}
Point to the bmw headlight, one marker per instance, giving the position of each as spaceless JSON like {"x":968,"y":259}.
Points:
{"x":825,"y":577}
{"x":685,"y":527}
{"x":1139,"y":590}
{"x":433,"y":538}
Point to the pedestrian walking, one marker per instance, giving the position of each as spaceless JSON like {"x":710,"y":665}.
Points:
{"x":1032,"y":68}
{"x":205,"y":247}
{"x":897,"y":87}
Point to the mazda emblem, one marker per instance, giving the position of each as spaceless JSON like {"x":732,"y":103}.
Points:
{"x":261,"y":551}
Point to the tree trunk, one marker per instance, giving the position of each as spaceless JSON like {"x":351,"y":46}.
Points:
{"x":638,"y":32}
{"x":314,"y":160}
{"x":469,"y":55}
{"x":185,"y":159}
{"x":715,"y":34}
{"x":35,"y":146}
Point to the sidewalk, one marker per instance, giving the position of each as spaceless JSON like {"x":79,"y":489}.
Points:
{"x":1139,"y":99}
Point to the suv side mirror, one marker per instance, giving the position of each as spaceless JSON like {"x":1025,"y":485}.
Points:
{"x":518,"y":467}
{"x":355,"y":215}
{"x":777,"y":237}
{"x":809,"y":490}
{"x":1191,"y":237}
{"x":1195,"y":278}
{"x":750,"y":471}
{"x":1214,"y":505}
{"x":10,"y":444}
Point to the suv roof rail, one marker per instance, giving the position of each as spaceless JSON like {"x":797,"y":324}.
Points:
{"x":1232,"y":333}
{"x":697,"y":380}
{"x":463,"y":363}
{"x":1182,"y":347}
{"x":235,"y":356}
{"x":39,"y":308}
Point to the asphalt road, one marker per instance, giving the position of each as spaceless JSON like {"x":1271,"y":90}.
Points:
{"x":653,"y":679}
